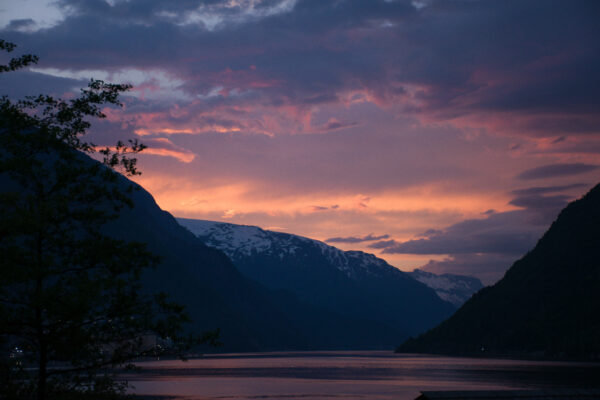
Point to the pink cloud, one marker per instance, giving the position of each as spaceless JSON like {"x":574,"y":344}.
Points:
{"x":164,"y":147}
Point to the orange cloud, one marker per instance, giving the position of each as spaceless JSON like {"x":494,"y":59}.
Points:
{"x":187,"y":131}
{"x":164,"y":147}
{"x":182,"y":156}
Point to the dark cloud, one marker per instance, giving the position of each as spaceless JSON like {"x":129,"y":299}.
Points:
{"x":429,"y":233}
{"x":334,"y":125}
{"x":556,"y":170}
{"x":541,"y":208}
{"x":541,"y":190}
{"x":588,"y":147}
{"x":383,"y":244}
{"x":319,"y":99}
{"x":543,"y":203}
{"x":243,"y":68}
{"x":552,"y":48}
{"x":457,"y":58}
{"x":26,"y":83}
{"x":510,"y":233}
{"x":537,"y":202}
{"x":324,"y":208}
{"x":500,"y":233}
{"x":354,"y":239}
{"x":20,"y":24}
{"x":515,"y":147}
{"x":486,"y":247}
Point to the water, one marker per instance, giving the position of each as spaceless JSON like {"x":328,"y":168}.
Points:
{"x":349,"y":375}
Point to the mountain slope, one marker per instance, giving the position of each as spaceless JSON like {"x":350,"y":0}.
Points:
{"x":352,"y":283}
{"x":450,"y":287}
{"x":548,"y":303}
{"x":250,"y":316}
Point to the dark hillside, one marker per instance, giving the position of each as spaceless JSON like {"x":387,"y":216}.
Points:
{"x":547,"y":304}
{"x":250,"y":316}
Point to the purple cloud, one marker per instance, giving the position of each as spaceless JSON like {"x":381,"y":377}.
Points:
{"x":542,"y":190}
{"x":443,"y":60}
{"x":395,"y":97}
{"x":356,"y":239}
{"x":556,"y":170}
{"x":501,"y":233}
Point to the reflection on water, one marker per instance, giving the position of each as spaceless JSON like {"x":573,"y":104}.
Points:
{"x":349,"y":375}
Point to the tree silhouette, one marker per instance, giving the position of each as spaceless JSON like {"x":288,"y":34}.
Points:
{"x":72,"y":307}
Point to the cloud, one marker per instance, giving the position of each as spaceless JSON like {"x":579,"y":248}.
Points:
{"x":384,"y":244}
{"x":443,"y":61}
{"x":429,"y":233}
{"x":501,"y":233}
{"x":22,"y":25}
{"x":396,"y":98}
{"x":486,"y":247}
{"x":16,"y":15}
{"x":356,"y":239}
{"x":509,"y":233}
{"x":541,"y":190}
{"x":334,"y":125}
{"x":541,"y":209}
{"x":534,"y":202}
{"x":556,"y":170}
{"x":227,"y":214}
{"x":164,"y":147}
{"x":26,"y":83}
{"x":205,"y":14}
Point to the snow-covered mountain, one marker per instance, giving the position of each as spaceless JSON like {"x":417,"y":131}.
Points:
{"x":242,"y":241}
{"x":352,"y":283}
{"x":453,"y":288}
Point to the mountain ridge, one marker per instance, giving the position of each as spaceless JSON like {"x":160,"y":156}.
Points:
{"x":250,"y":316}
{"x":242,"y":240}
{"x":346,"y":282}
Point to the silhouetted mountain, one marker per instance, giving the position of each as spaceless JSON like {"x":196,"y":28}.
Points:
{"x":250,"y":316}
{"x":547,"y":304}
{"x":450,"y":287}
{"x":351,"y":283}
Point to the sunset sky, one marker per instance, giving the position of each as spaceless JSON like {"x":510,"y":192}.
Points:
{"x":446,"y":134}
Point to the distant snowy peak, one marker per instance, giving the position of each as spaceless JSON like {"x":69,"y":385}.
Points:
{"x":239,"y":241}
{"x":231,"y":239}
{"x":453,"y":288}
{"x":243,"y":240}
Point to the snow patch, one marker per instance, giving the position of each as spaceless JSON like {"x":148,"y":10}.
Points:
{"x":243,"y":240}
{"x":453,"y":288}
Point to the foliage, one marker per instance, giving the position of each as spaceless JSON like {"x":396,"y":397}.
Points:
{"x":15,"y":63}
{"x":72,"y":308}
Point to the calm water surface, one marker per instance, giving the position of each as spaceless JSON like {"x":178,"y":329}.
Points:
{"x":349,"y":375}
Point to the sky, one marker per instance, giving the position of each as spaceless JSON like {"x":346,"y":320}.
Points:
{"x":440,"y":134}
